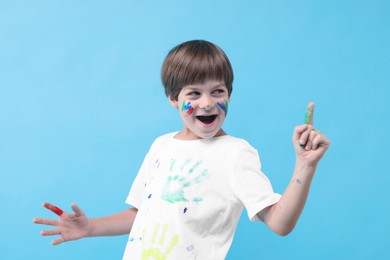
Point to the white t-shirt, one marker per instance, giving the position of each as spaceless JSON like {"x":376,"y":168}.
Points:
{"x":190,"y":195}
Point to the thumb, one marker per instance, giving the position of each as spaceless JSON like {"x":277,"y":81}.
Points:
{"x":78,"y":211}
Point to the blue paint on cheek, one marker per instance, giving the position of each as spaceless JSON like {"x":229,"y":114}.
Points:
{"x":187,"y":108}
{"x":150,"y":195}
{"x":223,"y":106}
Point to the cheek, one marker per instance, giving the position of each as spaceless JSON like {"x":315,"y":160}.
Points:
{"x":190,"y":111}
{"x":223,"y":105}
{"x":187,"y":107}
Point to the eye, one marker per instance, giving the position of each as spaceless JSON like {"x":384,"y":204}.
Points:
{"x":219,"y":91}
{"x":193,"y":94}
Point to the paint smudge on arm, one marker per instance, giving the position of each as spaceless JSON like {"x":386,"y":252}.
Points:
{"x":299,"y":181}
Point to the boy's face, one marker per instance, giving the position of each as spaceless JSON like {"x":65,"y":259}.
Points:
{"x":203,"y":109}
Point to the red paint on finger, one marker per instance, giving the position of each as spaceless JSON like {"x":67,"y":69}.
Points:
{"x":53,"y":208}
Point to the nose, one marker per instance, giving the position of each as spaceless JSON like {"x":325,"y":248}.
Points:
{"x":207,"y":103}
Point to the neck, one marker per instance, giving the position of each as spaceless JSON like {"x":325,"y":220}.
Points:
{"x":187,"y":135}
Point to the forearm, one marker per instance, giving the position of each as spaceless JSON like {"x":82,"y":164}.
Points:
{"x":283,"y":216}
{"x":117,"y":224}
{"x":310,"y":145}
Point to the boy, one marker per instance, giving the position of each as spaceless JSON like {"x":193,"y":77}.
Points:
{"x":193,"y":185}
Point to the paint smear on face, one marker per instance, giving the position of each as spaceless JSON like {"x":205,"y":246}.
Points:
{"x":223,"y":106}
{"x":187,"y":107}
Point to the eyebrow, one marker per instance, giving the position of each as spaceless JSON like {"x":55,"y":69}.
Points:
{"x":216,"y":86}
{"x":220,"y":85}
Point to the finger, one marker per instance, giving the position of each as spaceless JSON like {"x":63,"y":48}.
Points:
{"x":320,"y":141}
{"x":77,"y":210}
{"x":52,"y":232}
{"x":309,"y":114}
{"x":58,"y":241}
{"x":53,"y":208}
{"x":298,"y":131}
{"x":303,"y":139}
{"x":45,"y":221}
{"x":310,"y":139}
{"x":316,"y":142}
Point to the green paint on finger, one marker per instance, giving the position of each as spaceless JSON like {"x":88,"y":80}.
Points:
{"x":308,"y":116}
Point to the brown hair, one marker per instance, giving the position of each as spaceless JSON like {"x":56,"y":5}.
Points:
{"x":194,"y":62}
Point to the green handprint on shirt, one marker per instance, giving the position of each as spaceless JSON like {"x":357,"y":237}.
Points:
{"x":155,"y":251}
{"x":181,"y":179}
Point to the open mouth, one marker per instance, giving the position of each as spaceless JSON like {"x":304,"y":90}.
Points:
{"x":207,"y":119}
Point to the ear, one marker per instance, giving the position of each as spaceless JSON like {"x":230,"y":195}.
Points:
{"x":173,"y":102}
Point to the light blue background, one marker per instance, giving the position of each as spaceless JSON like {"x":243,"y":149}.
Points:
{"x":81,"y":101}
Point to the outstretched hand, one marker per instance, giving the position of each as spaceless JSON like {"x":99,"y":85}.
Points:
{"x":309,"y":144}
{"x":68,"y":226}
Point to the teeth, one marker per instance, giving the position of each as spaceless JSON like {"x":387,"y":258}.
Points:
{"x":206,"y":119}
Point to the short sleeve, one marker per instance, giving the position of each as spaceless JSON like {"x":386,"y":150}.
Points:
{"x":250,"y":185}
{"x":137,"y":190}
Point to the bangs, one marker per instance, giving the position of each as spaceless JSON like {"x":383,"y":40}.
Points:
{"x":195,"y":63}
{"x":202,"y":66}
